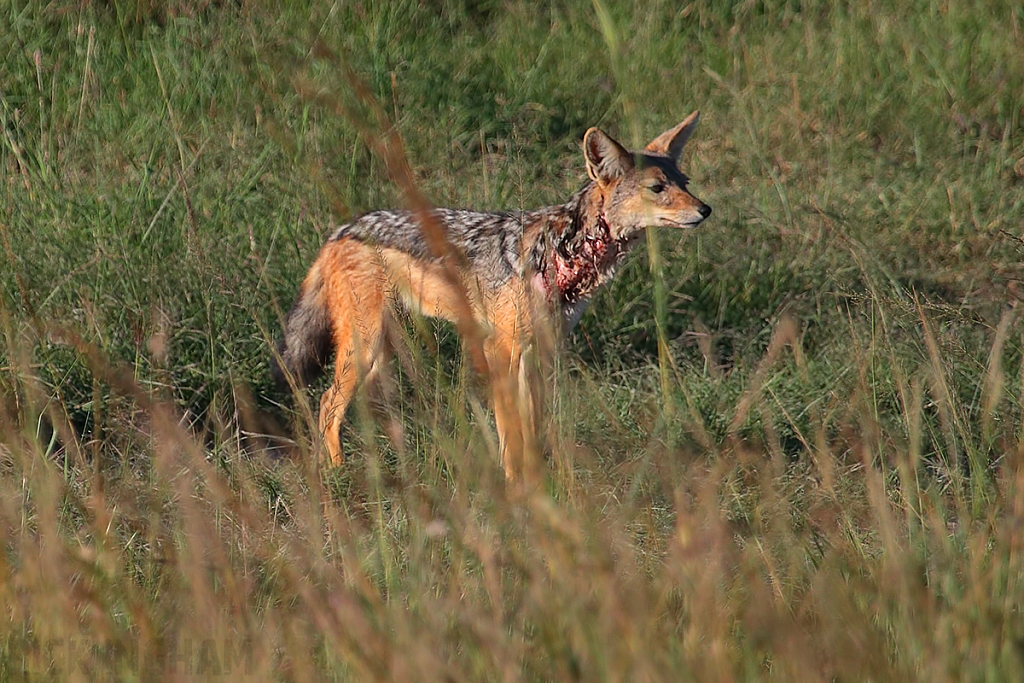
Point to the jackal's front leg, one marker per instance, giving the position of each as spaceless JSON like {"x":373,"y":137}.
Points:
{"x":513,"y":408}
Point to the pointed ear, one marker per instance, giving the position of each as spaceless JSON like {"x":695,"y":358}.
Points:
{"x":672,"y":141}
{"x":606,"y":159}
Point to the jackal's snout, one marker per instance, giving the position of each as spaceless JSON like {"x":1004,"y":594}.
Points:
{"x":687,"y":211}
{"x":698,"y":212}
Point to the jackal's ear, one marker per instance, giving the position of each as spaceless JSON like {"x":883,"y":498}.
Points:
{"x":672,"y":141}
{"x":606,"y":159}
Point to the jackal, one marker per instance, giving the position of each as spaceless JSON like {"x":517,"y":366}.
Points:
{"x":509,"y":266}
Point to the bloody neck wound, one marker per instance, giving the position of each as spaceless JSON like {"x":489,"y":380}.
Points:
{"x":577,"y":272}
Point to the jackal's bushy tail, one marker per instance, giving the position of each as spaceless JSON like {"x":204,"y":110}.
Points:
{"x":306,"y":346}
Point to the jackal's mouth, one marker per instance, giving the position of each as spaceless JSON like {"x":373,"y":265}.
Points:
{"x":688,"y":223}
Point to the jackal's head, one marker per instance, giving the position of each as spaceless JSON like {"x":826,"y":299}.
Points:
{"x":644,"y":189}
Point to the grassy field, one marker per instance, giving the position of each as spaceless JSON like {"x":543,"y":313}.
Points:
{"x":786,"y":446}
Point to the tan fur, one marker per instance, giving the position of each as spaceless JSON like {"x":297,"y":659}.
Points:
{"x":421,"y":286}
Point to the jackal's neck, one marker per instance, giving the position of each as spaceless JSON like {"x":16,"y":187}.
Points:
{"x":583,"y":210}
{"x":578,"y":252}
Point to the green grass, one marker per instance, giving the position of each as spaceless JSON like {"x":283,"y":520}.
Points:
{"x":818,"y":477}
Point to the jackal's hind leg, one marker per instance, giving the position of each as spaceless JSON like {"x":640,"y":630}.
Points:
{"x":332,"y":412}
{"x":359,"y":351}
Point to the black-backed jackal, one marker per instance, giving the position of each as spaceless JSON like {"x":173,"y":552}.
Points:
{"x":510,"y":266}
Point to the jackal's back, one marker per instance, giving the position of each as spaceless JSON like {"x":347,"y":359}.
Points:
{"x":491,"y":242}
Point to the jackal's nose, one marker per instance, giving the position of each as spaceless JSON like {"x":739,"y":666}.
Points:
{"x":704,"y":210}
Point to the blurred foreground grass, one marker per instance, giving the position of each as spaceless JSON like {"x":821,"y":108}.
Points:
{"x":827,"y":487}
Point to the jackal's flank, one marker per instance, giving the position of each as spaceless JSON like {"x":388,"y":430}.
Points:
{"x":513,"y":265}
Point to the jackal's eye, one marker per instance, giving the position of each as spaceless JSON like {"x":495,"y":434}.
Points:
{"x":656,"y":188}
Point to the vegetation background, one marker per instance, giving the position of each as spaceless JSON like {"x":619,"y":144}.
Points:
{"x":785,"y":446}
